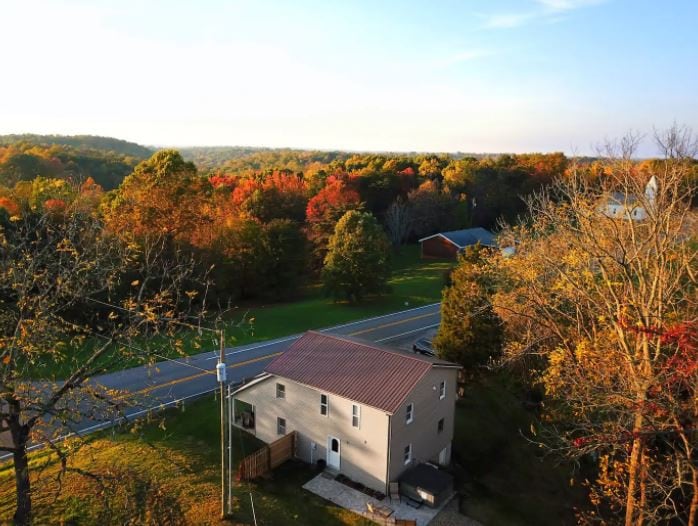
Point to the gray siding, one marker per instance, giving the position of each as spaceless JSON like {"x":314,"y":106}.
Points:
{"x":422,"y":433}
{"x":363,"y":451}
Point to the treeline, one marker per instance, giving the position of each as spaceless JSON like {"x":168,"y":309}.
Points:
{"x":263,"y":233}
{"x":24,"y":161}
{"x":81,"y":142}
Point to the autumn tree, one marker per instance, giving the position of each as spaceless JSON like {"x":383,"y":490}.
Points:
{"x":434,"y":209}
{"x":59,"y":277}
{"x":607,"y":302}
{"x":358,"y":258}
{"x":398,"y":221}
{"x":274,"y":196}
{"x":163,"y":196}
{"x":470,"y":332}
{"x":325,"y":209}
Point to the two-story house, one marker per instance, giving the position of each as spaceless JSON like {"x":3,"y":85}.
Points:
{"x":370,"y":412}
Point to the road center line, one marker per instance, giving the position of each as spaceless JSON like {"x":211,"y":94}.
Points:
{"x":201,"y":375}
{"x":393,"y":323}
{"x":408,"y":332}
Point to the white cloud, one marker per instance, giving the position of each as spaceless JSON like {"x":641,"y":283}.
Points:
{"x":507,"y":20}
{"x":548,"y":11}
{"x":567,"y":5}
{"x":462,"y":56}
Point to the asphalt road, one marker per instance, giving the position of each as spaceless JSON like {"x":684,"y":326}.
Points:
{"x":169,"y":383}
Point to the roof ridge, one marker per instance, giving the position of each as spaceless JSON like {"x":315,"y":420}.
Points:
{"x":376,"y":347}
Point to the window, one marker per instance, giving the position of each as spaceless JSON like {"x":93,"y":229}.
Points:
{"x":442,"y":390}
{"x":280,"y":391}
{"x":407,"y":457}
{"x":409,"y":413}
{"x":355,"y":416}
{"x":280,"y":426}
{"x":324,"y":405}
{"x":440,"y":426}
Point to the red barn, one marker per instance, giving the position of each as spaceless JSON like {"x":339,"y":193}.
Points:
{"x":449,"y":244}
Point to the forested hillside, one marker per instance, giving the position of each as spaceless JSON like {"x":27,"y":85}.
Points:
{"x":81,"y":142}
{"x":71,"y":158}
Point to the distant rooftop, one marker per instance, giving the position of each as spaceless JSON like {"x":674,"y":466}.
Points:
{"x":467,"y":237}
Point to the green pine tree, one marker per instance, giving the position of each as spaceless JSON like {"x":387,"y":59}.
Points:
{"x":358,"y":259}
{"x":471,"y":331}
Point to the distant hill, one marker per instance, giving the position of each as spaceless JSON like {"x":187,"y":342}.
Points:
{"x":74,"y":158}
{"x":81,"y":142}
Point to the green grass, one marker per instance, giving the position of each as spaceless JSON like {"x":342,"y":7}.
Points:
{"x":505,"y":479}
{"x":414,"y":282}
{"x":175,"y":459}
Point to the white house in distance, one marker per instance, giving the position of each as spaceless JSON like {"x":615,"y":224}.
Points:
{"x":370,"y":412}
{"x":628,"y":206}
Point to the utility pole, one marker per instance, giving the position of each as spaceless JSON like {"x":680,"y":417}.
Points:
{"x":221,"y":376}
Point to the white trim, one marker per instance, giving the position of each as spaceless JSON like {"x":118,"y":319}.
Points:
{"x":442,"y":236}
{"x":408,"y":447}
{"x":409,"y":413}
{"x":442,"y":386}
{"x":461,"y":247}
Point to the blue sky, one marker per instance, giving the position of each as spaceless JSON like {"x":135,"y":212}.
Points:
{"x":469,"y":75}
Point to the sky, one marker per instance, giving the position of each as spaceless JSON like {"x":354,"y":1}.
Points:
{"x":431,"y":75}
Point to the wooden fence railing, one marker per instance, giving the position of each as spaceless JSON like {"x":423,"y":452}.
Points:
{"x":269,"y":457}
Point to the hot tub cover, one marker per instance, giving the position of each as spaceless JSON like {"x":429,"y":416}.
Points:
{"x":427,"y":478}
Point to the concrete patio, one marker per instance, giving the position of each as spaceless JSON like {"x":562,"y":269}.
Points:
{"x":351,"y":499}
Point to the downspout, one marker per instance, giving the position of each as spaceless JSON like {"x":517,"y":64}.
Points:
{"x":387,"y":469}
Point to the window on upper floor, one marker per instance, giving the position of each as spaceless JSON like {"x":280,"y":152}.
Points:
{"x":407,"y":455}
{"x":440,"y":426}
{"x":409,"y":413}
{"x":280,"y":391}
{"x":355,"y":416}
{"x":442,"y":390}
{"x":324,"y":405}
{"x":280,"y":426}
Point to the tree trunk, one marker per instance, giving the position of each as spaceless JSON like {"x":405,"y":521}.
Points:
{"x":633,"y":474}
{"x":20,"y":438}
{"x":693,"y":511}
{"x":22,"y":515}
{"x":643,"y":488}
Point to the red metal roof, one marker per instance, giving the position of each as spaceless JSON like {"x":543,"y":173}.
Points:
{"x":361,"y":371}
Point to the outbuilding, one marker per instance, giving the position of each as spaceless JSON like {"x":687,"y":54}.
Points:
{"x":449,"y":244}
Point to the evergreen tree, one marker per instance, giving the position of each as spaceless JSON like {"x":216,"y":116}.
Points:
{"x":358,"y":259}
{"x":471,"y":331}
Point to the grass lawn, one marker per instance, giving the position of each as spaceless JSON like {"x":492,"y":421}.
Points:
{"x":170,"y":467}
{"x":505,"y":479}
{"x":414,"y":282}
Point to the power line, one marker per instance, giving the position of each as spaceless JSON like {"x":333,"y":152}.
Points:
{"x":145,"y":352}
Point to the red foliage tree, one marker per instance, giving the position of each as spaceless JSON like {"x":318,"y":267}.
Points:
{"x":326,"y":208}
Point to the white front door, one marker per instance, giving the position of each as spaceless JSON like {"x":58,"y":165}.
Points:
{"x":333,"y":447}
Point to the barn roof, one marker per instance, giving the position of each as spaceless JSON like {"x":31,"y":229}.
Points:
{"x":466,"y":237}
{"x":374,"y":375}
